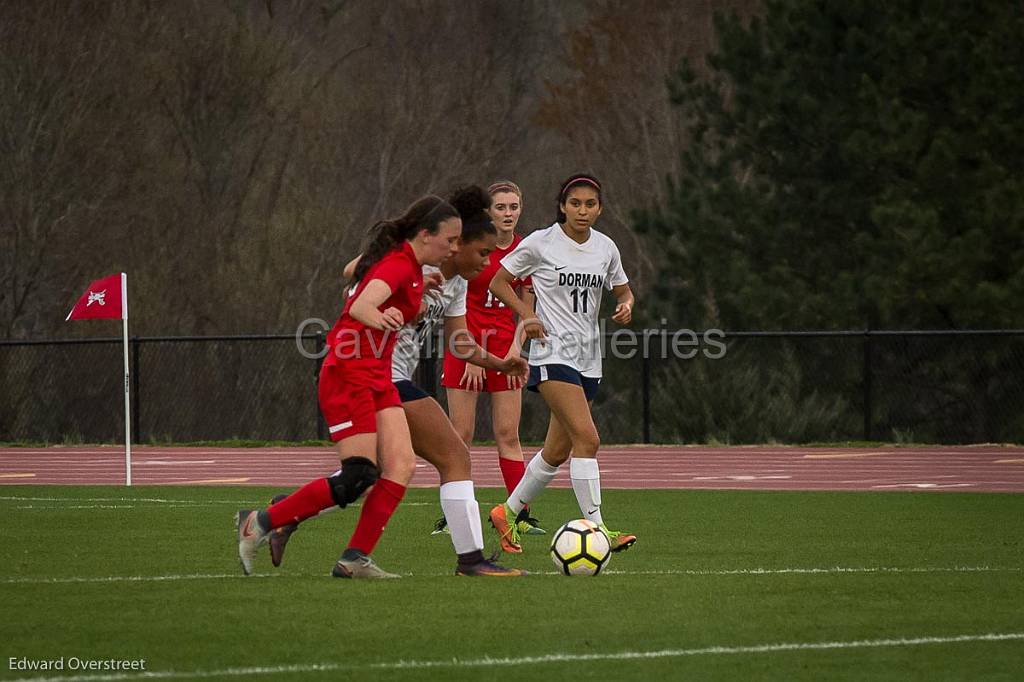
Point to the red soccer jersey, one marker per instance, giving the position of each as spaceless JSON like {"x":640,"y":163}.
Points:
{"x":485,"y":313}
{"x":363,"y":352}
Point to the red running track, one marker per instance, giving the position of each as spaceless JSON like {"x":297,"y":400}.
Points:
{"x":965,"y":469}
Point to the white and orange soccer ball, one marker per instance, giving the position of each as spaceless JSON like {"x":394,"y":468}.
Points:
{"x":580,"y":547}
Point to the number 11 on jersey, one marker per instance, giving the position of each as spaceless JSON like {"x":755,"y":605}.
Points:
{"x":579,"y":296}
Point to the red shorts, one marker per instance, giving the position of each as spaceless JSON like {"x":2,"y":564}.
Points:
{"x":494,"y":381}
{"x":350,"y":409}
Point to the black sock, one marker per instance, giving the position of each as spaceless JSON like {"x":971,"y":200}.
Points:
{"x":470,"y":558}
{"x":352,"y":554}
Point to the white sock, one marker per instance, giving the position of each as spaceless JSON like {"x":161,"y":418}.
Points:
{"x":586,"y":483}
{"x":536,"y":477}
{"x":463,"y":515}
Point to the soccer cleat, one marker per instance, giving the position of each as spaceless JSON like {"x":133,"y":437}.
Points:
{"x":250,"y":536}
{"x":617,"y":540}
{"x":527,"y":525}
{"x":488,"y":568}
{"x":279,"y":537}
{"x":361,"y":567}
{"x":508,"y":532}
{"x":441,"y":527}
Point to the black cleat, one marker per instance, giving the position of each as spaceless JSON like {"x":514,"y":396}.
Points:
{"x":279,"y":537}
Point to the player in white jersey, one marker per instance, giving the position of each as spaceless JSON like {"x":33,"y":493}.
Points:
{"x":570,"y":264}
{"x":432,"y":434}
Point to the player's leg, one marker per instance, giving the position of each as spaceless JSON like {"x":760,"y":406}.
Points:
{"x":397,"y":463}
{"x":462,"y":413}
{"x":506,"y":411}
{"x":462,"y":404}
{"x":539,"y":473}
{"x":571,"y":405}
{"x":357,"y":473}
{"x":349,"y":413}
{"x":435,"y":440}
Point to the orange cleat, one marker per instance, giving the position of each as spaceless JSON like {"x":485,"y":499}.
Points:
{"x":507,"y":530}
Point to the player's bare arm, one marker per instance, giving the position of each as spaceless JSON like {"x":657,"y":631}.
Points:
{"x":626,"y":301}
{"x":350,"y":268}
{"x":465,"y":346}
{"x":365,"y":308}
{"x":501,"y":287}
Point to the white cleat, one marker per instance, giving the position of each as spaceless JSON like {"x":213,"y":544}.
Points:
{"x":363,"y":567}
{"x":250,"y":536}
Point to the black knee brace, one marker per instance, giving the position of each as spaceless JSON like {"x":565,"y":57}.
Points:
{"x":356,"y":475}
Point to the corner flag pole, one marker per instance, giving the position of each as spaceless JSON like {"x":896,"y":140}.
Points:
{"x":99,"y":302}
{"x":127,"y":386}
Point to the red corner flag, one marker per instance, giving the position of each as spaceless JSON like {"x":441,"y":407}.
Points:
{"x":108,"y":298}
{"x":105,"y":298}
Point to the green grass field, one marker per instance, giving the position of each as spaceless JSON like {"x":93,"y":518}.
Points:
{"x":721,"y":585}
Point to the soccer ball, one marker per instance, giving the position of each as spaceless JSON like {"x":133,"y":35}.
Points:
{"x":580,"y":547}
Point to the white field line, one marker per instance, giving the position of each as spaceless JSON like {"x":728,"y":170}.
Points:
{"x":563,"y":657}
{"x":825,"y":570}
{"x":834,"y":570}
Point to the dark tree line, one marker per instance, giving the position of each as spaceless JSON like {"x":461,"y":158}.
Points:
{"x":850,"y":165}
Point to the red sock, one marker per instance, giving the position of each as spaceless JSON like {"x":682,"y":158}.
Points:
{"x":512,"y":471}
{"x":309,"y":500}
{"x":380,"y":504}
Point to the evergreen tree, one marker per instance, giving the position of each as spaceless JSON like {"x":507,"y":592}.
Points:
{"x":850,"y":164}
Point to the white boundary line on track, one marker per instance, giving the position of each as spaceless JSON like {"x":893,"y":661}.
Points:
{"x":833,"y":570}
{"x":148,"y":500}
{"x":61,"y":502}
{"x":488,"y":661}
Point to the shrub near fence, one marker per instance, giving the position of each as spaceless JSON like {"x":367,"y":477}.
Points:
{"x":941,"y":387}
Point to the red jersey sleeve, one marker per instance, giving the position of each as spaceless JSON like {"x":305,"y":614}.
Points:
{"x":395,"y":272}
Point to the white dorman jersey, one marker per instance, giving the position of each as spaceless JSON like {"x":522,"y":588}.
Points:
{"x":567,"y":280}
{"x":449,"y":301}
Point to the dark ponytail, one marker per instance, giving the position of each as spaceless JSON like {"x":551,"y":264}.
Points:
{"x":577,"y":180}
{"x":426,"y":213}
{"x":472,"y":203}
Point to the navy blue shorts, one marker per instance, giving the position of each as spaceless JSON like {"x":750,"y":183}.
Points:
{"x":541,"y":373}
{"x":408,"y":391}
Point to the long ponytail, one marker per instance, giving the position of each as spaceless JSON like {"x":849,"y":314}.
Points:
{"x":426,"y":213}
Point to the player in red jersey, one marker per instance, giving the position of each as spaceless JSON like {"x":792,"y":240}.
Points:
{"x":357,"y":397}
{"x":493,"y":326}
{"x":433,"y":436}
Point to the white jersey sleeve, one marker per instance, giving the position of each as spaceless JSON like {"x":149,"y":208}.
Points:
{"x":616,"y":275}
{"x":524,"y":260}
{"x":445,"y":302}
{"x":457,"y":305}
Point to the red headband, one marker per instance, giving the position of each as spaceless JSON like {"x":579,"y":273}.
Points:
{"x":575,"y":181}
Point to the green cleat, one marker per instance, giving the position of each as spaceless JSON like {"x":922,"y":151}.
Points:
{"x":441,"y":527}
{"x":617,"y":540}
{"x":527,"y":525}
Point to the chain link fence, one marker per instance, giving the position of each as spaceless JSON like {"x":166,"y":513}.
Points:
{"x":750,"y":387}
